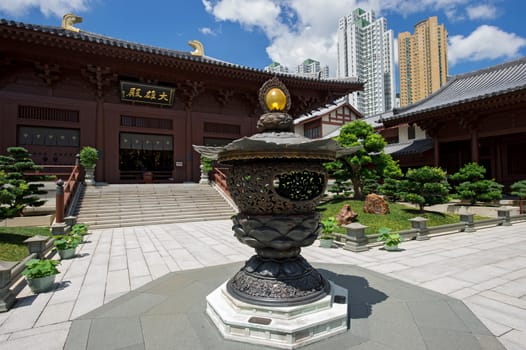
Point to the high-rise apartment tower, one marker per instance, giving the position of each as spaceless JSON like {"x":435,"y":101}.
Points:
{"x":365,"y":50}
{"x":422,"y":60}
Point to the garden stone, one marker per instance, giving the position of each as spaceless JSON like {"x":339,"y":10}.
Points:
{"x":375,"y":204}
{"x":346,"y":215}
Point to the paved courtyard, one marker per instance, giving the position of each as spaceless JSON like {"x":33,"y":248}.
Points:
{"x":485,"y":269}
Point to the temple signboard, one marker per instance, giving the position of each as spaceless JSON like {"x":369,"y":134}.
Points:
{"x":146,"y":93}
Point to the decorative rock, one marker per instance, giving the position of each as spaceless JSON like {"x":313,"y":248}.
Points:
{"x":375,"y":204}
{"x":346,"y":215}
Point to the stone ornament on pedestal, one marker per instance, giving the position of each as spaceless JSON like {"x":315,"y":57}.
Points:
{"x":277,"y":180}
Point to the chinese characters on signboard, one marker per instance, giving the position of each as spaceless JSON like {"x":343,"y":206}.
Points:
{"x":145,"y":93}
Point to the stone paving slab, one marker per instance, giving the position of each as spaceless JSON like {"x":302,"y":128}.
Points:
{"x":97,"y":276}
{"x":169,"y":314}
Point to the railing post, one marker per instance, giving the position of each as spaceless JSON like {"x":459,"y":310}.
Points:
{"x":420,"y":224}
{"x":467,"y":219}
{"x":59,"y":202}
{"x":59,"y":227}
{"x":70,"y":220}
{"x":504,"y":214}
{"x":356,"y":239}
{"x":38,"y":245}
{"x":7,"y":298}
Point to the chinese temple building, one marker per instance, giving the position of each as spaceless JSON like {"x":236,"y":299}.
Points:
{"x":142,"y":107}
{"x":476,"y":117}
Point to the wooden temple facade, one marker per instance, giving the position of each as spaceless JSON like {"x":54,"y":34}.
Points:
{"x":476,"y":117}
{"x":142,"y":107}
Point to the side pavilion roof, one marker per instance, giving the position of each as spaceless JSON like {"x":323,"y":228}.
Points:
{"x":466,"y":91}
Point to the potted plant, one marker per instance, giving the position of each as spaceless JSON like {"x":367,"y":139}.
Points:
{"x":40,"y":274}
{"x":66,"y":245}
{"x":206,"y":167}
{"x":327,"y":234}
{"x":79,"y":230}
{"x":391,"y":239}
{"x":88,"y":159}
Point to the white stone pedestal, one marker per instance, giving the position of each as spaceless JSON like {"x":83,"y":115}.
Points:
{"x":280,"y":327}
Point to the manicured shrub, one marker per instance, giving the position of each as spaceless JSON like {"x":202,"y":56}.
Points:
{"x":473,"y":187}
{"x":425,"y":186}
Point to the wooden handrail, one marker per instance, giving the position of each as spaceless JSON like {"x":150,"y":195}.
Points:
{"x":70,"y":187}
{"x":219,"y":178}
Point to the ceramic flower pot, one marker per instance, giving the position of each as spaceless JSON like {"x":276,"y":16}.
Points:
{"x":41,"y":284}
{"x":67,"y":253}
{"x":325,"y":243}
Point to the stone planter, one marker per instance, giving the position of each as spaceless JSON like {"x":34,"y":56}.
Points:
{"x":325,"y":243}
{"x":391,"y":248}
{"x":41,"y":284}
{"x":67,"y":253}
{"x":90,"y":176}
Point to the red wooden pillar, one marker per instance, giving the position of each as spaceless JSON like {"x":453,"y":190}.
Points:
{"x":474,"y":146}
{"x":436,"y":148}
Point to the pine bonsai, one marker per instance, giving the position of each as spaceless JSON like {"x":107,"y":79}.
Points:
{"x":425,"y":186}
{"x":473,"y":187}
{"x":18,"y":188}
{"x":519,"y":189}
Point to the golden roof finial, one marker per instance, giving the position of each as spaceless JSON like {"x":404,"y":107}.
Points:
{"x":68,"y":20}
{"x":199,"y":49}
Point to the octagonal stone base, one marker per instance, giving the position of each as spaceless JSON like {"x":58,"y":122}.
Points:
{"x":281,"y":327}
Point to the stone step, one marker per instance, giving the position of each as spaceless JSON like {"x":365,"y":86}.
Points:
{"x":154,"y":220}
{"x":152,"y":213}
{"x":153,"y":203}
{"x":147,"y":209}
{"x":131,"y":205}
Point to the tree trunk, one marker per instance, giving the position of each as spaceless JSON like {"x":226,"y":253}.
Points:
{"x":357,"y":187}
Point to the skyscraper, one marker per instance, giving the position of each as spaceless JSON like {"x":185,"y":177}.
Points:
{"x":276,"y":67}
{"x":365,"y":50}
{"x":312,"y":67}
{"x":422,"y":60}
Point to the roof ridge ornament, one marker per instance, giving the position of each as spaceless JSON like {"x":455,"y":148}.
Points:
{"x":68,"y":20}
{"x":198,"y":46}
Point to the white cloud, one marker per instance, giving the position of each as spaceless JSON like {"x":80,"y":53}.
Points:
{"x":300,"y":29}
{"x":485,"y":42}
{"x":47,"y":7}
{"x":207,"y":31}
{"x":481,"y":12}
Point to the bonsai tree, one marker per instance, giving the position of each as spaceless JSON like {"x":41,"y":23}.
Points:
{"x":392,"y":177}
{"x":472,"y":185}
{"x":17,"y":188}
{"x":88,"y":156}
{"x":519,"y":189}
{"x":425,"y":186}
{"x":366,"y":165}
{"x":391,"y":240}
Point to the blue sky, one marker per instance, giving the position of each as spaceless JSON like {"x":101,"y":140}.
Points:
{"x":253,"y":33}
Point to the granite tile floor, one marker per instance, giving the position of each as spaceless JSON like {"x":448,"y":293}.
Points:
{"x":486,"y":270}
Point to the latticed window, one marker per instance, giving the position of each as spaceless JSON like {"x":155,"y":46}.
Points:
{"x":29,"y":135}
{"x":47,"y":114}
{"x":230,"y":129}
{"x":146,"y":123}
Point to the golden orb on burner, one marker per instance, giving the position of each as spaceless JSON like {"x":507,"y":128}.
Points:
{"x":276,"y":100}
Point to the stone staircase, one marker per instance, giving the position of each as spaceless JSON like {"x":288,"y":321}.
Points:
{"x":120,"y":205}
